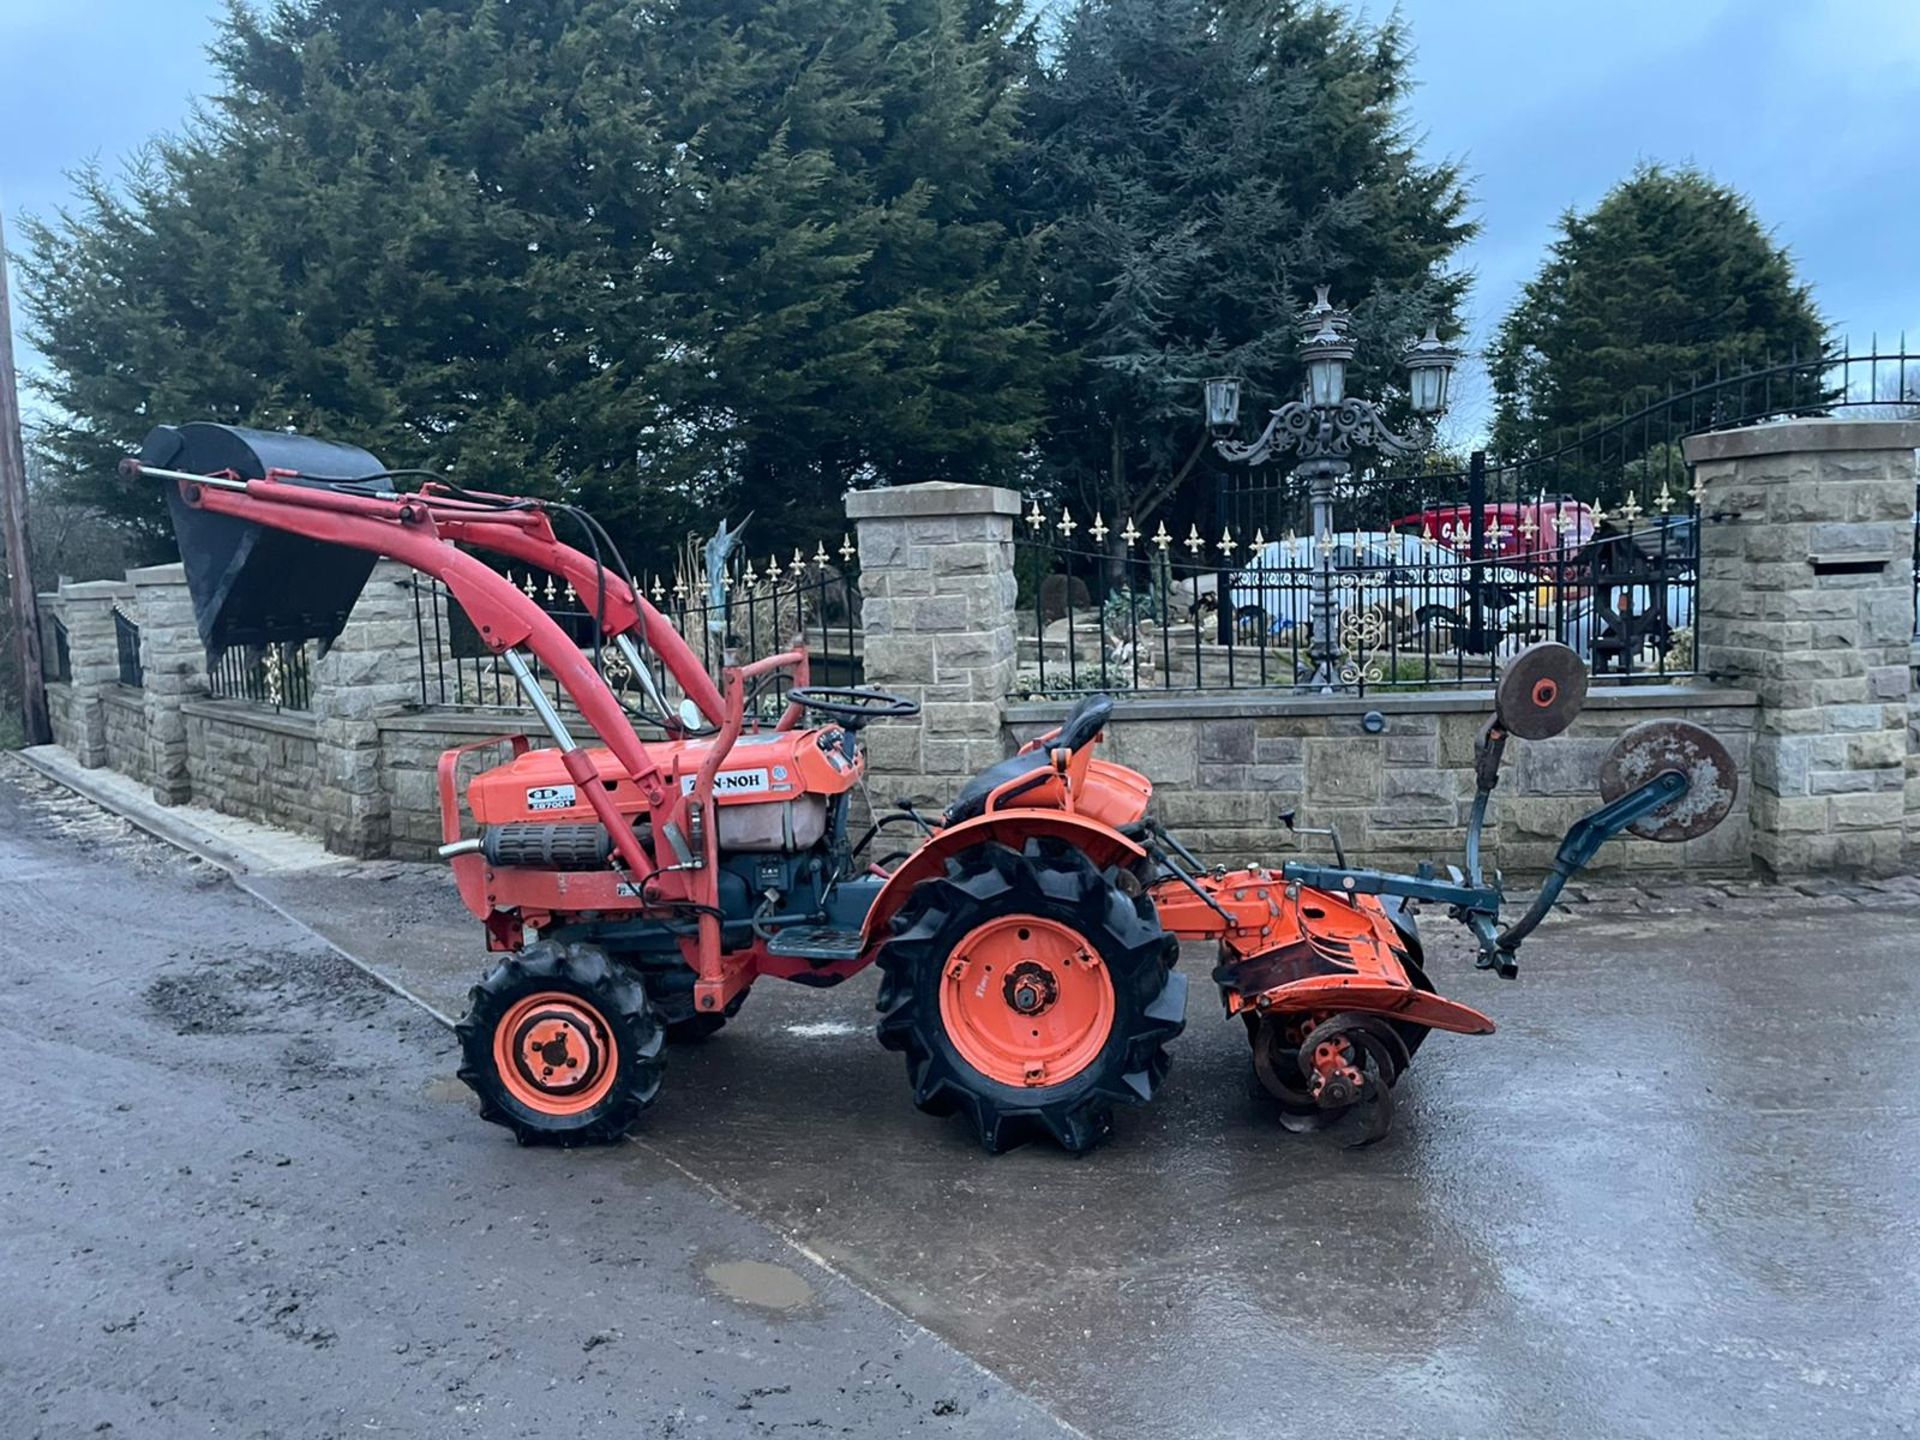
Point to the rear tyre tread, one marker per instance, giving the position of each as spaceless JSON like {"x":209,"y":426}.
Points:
{"x":1050,"y":878}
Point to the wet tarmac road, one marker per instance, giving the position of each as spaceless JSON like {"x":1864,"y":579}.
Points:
{"x":1679,"y":1190}
{"x":1676,"y":1193}
{"x":242,"y":1195}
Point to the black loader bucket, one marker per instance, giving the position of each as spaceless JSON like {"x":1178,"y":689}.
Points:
{"x":252,"y":585}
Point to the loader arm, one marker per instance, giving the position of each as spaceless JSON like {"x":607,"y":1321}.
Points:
{"x":527,"y":535}
{"x":407,"y":528}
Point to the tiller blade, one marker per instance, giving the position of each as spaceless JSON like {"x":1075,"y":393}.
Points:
{"x":1331,"y":989}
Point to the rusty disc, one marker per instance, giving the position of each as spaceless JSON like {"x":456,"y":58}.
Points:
{"x":1646,"y":750}
{"x":1541,"y":691}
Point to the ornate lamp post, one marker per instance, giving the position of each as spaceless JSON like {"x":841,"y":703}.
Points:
{"x":1323,"y":428}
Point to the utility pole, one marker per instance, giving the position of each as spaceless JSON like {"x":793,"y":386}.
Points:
{"x":13,"y":511}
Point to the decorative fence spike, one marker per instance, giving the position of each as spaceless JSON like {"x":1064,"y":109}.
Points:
{"x":1131,"y":534}
{"x":1193,"y":542}
{"x":1098,"y":530}
{"x":1034,"y":517}
{"x":1161,"y":537}
{"x":1227,"y":547}
{"x":1065,"y":523}
{"x":847,"y":548}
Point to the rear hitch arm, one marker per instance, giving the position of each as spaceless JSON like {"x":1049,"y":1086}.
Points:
{"x":1583,"y":841}
{"x":1475,"y":903}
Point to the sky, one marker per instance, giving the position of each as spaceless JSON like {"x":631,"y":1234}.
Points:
{"x":1811,"y":107}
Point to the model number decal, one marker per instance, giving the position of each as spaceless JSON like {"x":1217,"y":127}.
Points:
{"x":550,"y":797}
{"x":732,"y":782}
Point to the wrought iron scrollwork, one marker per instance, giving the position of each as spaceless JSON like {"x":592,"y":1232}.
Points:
{"x":1320,"y":432}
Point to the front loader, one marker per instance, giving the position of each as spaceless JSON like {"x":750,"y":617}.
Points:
{"x":636,"y":889}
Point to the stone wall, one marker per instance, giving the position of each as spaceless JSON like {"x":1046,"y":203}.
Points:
{"x":410,"y":748}
{"x":249,"y":761}
{"x":1912,"y":837}
{"x":1806,"y":631}
{"x":77,"y":714}
{"x":1806,"y":597}
{"x":1225,"y":770}
{"x":63,"y":712}
{"x":125,"y":712}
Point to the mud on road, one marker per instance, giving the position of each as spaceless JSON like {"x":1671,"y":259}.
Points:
{"x":243,"y":1196}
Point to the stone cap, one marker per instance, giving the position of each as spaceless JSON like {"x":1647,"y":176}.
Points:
{"x":174,"y":574}
{"x":1794,"y":436}
{"x":96,"y":590}
{"x":931,"y":497}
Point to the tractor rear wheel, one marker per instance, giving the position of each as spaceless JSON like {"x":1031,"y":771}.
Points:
{"x":561,"y":1045}
{"x":1030,"y":994}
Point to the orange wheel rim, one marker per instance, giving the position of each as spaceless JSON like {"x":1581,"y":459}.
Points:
{"x":1026,"y":1001}
{"x":555,"y":1054}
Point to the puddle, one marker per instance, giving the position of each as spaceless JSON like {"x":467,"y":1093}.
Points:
{"x":755,"y":1282}
{"x":826,"y":1029}
{"x":448,"y":1089}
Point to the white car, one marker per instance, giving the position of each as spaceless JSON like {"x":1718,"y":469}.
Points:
{"x":1392,"y":584}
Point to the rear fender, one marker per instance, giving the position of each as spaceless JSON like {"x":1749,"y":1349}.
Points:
{"x":1101,"y":843}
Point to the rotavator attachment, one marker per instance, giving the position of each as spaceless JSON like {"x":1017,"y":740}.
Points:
{"x":1323,"y":961}
{"x":252,"y":584}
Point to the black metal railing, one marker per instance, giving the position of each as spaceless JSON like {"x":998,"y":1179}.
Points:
{"x":1438,"y":574}
{"x":56,"y":655}
{"x":126,"y":644}
{"x":766,"y":606}
{"x":278,"y":675}
{"x":1158,"y":613}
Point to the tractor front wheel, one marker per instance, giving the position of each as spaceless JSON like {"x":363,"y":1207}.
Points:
{"x":1031,"y":994}
{"x":562,"y":1046}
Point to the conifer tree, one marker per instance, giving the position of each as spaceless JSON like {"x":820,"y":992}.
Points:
{"x":1199,"y":166}
{"x":1670,"y":278}
{"x":659,"y":255}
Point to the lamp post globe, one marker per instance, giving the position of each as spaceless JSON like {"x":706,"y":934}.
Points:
{"x":1430,"y":363}
{"x":1223,"y":404}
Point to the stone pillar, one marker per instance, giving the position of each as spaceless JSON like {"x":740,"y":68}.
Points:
{"x":174,"y":663}
{"x":371,"y":669}
{"x":87,"y":610}
{"x":1806,"y":597}
{"x":937,"y":607}
{"x":1913,"y":757}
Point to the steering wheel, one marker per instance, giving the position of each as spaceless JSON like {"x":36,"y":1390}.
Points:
{"x":853,"y":705}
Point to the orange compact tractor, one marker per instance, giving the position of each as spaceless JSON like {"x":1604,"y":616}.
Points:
{"x":636,"y":889}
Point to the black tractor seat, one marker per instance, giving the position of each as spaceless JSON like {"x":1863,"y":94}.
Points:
{"x":1083,"y":723}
